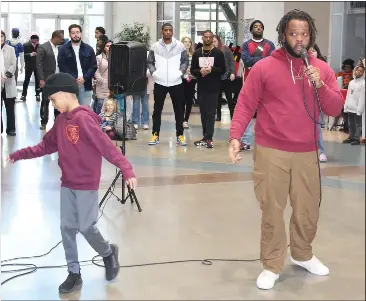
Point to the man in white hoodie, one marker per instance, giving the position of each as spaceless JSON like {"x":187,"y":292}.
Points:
{"x":167,"y":62}
{"x":355,"y":104}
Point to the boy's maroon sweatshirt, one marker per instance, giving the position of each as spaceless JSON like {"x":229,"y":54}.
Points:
{"x":81,"y":144}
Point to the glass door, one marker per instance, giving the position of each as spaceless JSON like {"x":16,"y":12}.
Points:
{"x":44,"y":27}
{"x":4,"y":23}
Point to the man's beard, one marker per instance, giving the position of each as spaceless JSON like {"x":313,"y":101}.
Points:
{"x":75,"y":40}
{"x":257,"y":37}
{"x":291,"y":51}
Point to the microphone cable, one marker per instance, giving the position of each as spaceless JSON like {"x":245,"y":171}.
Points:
{"x":316,"y":101}
{"x":28,"y":268}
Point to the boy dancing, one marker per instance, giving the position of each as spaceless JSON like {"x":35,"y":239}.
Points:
{"x":81,"y":144}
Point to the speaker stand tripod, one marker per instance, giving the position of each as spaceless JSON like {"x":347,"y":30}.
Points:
{"x":131,"y":193}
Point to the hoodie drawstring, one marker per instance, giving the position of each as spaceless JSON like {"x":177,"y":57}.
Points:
{"x":292,"y":72}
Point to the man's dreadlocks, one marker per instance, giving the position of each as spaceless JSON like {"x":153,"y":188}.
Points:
{"x":296,"y":14}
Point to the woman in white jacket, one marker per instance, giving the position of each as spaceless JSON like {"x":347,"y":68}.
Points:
{"x":9,"y":91}
{"x":355,"y":104}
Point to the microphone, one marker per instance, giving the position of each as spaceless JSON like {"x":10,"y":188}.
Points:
{"x":304,"y":56}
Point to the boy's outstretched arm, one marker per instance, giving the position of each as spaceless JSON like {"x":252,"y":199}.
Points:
{"x":47,"y":146}
{"x":102,"y":143}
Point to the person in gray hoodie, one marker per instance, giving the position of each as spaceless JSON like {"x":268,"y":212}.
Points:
{"x":167,"y":62}
{"x":355,"y":104}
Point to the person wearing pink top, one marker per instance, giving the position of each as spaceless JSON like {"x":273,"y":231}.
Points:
{"x":101,"y":77}
{"x":285,"y":155}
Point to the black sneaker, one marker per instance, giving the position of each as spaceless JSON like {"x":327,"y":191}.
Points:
{"x":72,"y":282}
{"x":201,"y":142}
{"x":244,"y":147}
{"x":209,"y":143}
{"x":356,"y":142}
{"x":23,"y":98}
{"x":348,"y":140}
{"x":111,"y":264}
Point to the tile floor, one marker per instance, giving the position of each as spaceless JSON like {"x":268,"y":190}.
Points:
{"x":196,"y":205}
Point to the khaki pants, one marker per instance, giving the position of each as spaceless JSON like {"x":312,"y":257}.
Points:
{"x":276,"y":175}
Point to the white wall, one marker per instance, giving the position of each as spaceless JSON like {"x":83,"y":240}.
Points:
{"x":320,"y":11}
{"x":353,"y":37}
{"x":269,"y":13}
{"x":130,"y":12}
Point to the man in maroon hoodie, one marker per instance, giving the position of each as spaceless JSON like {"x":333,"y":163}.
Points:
{"x":285,"y":156}
{"x":81,"y":144}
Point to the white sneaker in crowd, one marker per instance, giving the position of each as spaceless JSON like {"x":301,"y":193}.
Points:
{"x":323,"y":158}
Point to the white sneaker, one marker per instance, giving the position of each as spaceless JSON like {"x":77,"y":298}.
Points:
{"x":145,"y":126}
{"x":266,"y":280}
{"x":136,"y":126}
{"x":185,"y":125}
{"x":313,"y":265}
{"x":323,"y":158}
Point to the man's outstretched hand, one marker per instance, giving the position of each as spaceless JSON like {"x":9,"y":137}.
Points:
{"x":234,"y":149}
{"x":10,"y":160}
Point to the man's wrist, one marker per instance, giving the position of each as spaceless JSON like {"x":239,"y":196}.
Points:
{"x":233,"y":138}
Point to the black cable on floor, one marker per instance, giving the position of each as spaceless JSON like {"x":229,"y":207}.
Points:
{"x":29,"y":268}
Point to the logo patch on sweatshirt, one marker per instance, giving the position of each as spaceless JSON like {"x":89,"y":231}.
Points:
{"x":72,"y":133}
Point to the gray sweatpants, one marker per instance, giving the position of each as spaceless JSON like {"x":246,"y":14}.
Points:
{"x":79,"y":211}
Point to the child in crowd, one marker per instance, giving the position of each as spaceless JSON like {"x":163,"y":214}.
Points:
{"x":80,"y":143}
{"x":355,"y":104}
{"x":109,"y":117}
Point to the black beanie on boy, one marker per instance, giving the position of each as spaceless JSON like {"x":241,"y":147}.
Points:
{"x":60,"y":82}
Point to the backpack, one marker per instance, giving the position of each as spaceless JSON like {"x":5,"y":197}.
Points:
{"x":131,"y":132}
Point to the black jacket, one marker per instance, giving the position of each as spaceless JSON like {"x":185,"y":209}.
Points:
{"x":67,"y":62}
{"x":212,"y":81}
{"x":30,"y":61}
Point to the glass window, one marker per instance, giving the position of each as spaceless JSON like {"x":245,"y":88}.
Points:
{"x":94,"y":8}
{"x":227,"y":32}
{"x":90,"y":22}
{"x":185,"y":11}
{"x":23,"y":23}
{"x":195,"y":30}
{"x":23,"y":7}
{"x":45,"y":27}
{"x":59,"y":7}
{"x":3,"y":24}
{"x":202,"y":11}
{"x":4,"y":7}
{"x":165,"y":11}
{"x":220,"y":17}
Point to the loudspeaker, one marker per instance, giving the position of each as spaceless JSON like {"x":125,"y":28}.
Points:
{"x":127,"y":68}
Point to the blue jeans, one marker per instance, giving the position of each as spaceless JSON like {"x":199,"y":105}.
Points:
{"x":247,"y":138}
{"x":84,"y":97}
{"x":144,"y":99}
{"x":321,"y":141}
{"x":99,"y":105}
